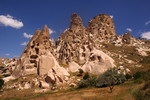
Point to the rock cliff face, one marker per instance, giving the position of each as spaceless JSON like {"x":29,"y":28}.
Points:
{"x":7,"y":66}
{"x":38,"y":57}
{"x":101,"y":28}
{"x":71,"y":40}
{"x":76,"y":44}
{"x":29,"y":60}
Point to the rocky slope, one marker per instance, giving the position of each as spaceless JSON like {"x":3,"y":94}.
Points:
{"x":7,"y":66}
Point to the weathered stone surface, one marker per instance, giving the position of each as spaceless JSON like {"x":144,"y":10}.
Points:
{"x":35,"y":54}
{"x":39,"y":58}
{"x":44,"y":85}
{"x":142,"y":52}
{"x":45,"y":64}
{"x":7,"y":66}
{"x":126,"y":38}
{"x":6,"y":79}
{"x":101,"y":28}
{"x":73,"y":67}
{"x":77,"y":43}
{"x":57,"y":75}
{"x":98,"y":62}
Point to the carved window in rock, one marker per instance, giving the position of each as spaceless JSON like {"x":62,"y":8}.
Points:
{"x":45,"y":42}
{"x":99,"y":58}
{"x":37,"y":44}
{"x":37,"y":50}
{"x":92,"y":58}
{"x":108,"y":23}
{"x":33,"y":44}
{"x":83,"y":54}
{"x":105,"y":32}
{"x":71,"y":53}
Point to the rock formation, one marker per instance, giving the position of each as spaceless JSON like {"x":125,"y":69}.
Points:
{"x":39,"y":45}
{"x":126,"y":38}
{"x":71,"y":40}
{"x":77,"y":48}
{"x":98,"y":62}
{"x":76,"y":44}
{"x":38,"y":58}
{"x":101,"y":28}
{"x":7,"y":66}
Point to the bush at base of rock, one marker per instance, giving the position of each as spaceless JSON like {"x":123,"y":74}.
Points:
{"x":1,"y":83}
{"x":86,"y":76}
{"x":128,"y":76}
{"x":138,"y":75}
{"x":109,"y":78}
{"x":89,"y":82}
{"x":80,"y":72}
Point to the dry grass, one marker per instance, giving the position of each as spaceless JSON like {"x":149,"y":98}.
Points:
{"x":120,"y":92}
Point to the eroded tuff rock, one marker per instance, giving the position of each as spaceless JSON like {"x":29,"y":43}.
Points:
{"x":39,"y":58}
{"x":71,"y":40}
{"x":76,"y":44}
{"x":39,"y":45}
{"x":7,"y":66}
{"x":76,"y":48}
{"x":98,"y":62}
{"x":101,"y":28}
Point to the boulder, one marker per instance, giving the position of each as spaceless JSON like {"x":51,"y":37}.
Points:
{"x":27,"y":85}
{"x":73,"y":67}
{"x":98,"y":62}
{"x":44,"y":85}
{"x":46,"y":62}
{"x":142,"y":51}
{"x":9,"y":78}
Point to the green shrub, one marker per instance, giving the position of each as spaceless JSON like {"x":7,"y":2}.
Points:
{"x":86,"y":76}
{"x":146,"y":76}
{"x":1,"y":83}
{"x":82,"y":84}
{"x":85,"y":83}
{"x":128,"y":76}
{"x":110,"y":78}
{"x":138,"y":75}
{"x":80,"y":72}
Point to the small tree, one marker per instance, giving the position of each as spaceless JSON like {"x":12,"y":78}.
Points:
{"x":110,"y":78}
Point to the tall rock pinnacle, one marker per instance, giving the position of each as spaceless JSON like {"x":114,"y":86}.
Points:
{"x":71,"y":40}
{"x":45,"y":30}
{"x":39,"y":45}
{"x":101,"y":27}
{"x":76,"y":22}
